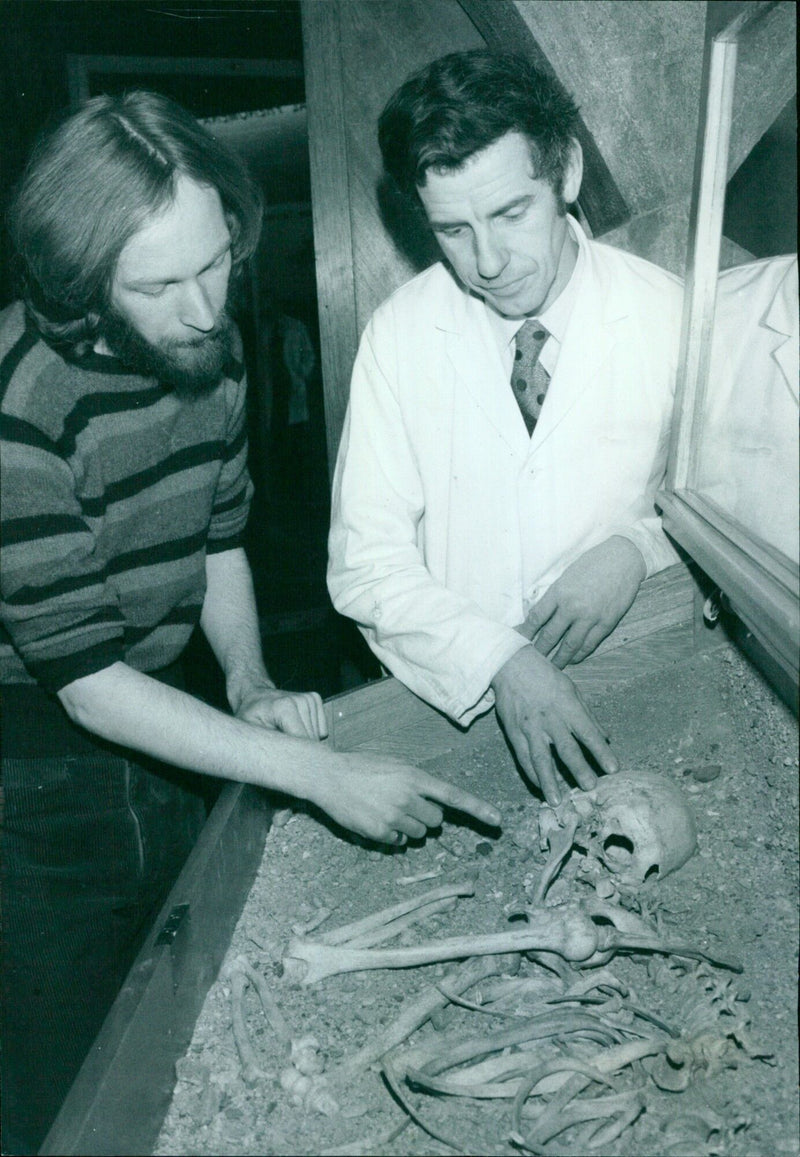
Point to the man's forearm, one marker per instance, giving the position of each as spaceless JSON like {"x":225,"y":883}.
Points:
{"x":376,"y":797}
{"x":130,"y":708}
{"x":230,"y":623}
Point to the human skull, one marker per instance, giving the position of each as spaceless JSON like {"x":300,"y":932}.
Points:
{"x":638,"y":824}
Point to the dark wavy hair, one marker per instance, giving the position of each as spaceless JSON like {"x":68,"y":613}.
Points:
{"x":463,"y":102}
{"x":92,"y":182}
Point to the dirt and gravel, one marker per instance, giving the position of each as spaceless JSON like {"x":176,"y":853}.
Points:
{"x":710,"y":725}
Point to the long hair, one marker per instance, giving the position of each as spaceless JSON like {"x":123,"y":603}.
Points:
{"x":92,"y":182}
{"x":463,"y":102}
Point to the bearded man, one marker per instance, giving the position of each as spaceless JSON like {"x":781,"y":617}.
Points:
{"x":125,"y":493}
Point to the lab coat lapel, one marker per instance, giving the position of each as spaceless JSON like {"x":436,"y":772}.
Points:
{"x":591,"y":336}
{"x":477,"y":367}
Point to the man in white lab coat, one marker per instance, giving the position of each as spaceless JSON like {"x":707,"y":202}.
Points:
{"x":495,"y":485}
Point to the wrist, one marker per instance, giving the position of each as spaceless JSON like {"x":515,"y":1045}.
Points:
{"x":506,"y":671}
{"x":637,"y":560}
{"x":240,"y":689}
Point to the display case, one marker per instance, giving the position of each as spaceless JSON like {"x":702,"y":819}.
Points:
{"x":731,"y":496}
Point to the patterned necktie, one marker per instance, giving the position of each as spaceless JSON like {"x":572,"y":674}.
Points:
{"x":529,"y":379}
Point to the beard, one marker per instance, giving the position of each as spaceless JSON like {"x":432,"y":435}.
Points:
{"x":191,"y":369}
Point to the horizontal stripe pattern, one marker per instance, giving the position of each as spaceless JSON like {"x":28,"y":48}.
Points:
{"x":113,"y":491}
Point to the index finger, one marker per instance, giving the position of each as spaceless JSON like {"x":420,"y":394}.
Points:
{"x":538,"y":615}
{"x":456,"y":797}
{"x":592,"y":737}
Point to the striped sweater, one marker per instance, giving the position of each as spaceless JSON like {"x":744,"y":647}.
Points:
{"x":113,"y":491}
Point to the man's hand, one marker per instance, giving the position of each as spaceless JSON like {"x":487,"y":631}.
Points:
{"x":297,"y":713}
{"x":539,"y":706}
{"x":586,"y":602}
{"x":388,"y":801}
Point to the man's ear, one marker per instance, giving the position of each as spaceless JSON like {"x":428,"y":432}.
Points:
{"x":573,"y":173}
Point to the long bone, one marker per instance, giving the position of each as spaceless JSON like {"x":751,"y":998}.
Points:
{"x":240,"y":973}
{"x":382,"y":925}
{"x":568,"y":931}
{"x":252,"y":1072}
{"x":586,"y":935}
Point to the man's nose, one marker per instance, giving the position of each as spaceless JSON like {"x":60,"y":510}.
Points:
{"x":491,"y":257}
{"x":197,"y":310}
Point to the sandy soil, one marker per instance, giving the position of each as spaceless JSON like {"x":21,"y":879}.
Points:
{"x":710,"y":725}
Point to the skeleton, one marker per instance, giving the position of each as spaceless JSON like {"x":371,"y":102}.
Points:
{"x":637,"y":827}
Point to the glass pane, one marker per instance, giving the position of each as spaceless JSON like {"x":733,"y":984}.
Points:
{"x":747,"y":455}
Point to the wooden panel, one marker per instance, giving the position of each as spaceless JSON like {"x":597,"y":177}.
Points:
{"x":390,"y":39}
{"x":123,"y":1090}
{"x":365,"y":244}
{"x":330,"y":196}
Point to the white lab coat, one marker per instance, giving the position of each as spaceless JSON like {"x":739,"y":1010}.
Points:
{"x":448,"y":520}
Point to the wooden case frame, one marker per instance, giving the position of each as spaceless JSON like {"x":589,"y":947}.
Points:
{"x":761,"y":585}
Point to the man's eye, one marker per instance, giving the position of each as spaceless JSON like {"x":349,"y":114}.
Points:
{"x":450,"y":230}
{"x":153,"y":291}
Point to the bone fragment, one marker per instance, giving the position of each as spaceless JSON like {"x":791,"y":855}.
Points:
{"x":622,"y":1108}
{"x":404,"y":881}
{"x":561,"y":842}
{"x":270,"y":1006}
{"x":395,"y":927}
{"x":348,"y":932}
{"x":624,"y":1118}
{"x":442,"y":1054}
{"x":319,"y":917}
{"x":394,"y":1084}
{"x":252,"y":1072}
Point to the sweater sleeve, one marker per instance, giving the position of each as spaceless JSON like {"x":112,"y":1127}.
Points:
{"x":57,"y":605}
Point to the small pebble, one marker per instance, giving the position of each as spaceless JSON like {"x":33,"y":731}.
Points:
{"x":484,"y":848}
{"x":707,"y":772}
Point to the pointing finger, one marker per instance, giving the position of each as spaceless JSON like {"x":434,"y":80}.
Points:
{"x":455,"y":797}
